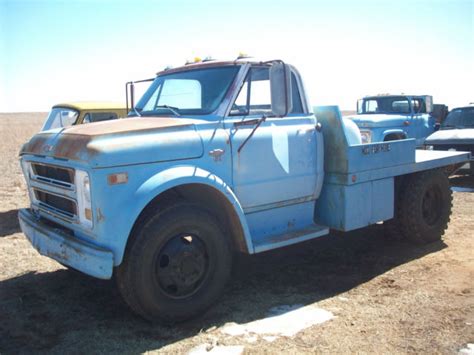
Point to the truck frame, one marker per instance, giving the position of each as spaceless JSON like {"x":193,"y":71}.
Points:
{"x":226,"y":157}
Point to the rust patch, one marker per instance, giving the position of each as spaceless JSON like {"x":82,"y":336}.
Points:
{"x":36,"y":144}
{"x":57,"y":256}
{"x":125,"y":125}
{"x":74,"y":142}
{"x":70,"y":146}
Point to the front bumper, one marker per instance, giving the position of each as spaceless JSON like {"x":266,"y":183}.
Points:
{"x":52,"y":242}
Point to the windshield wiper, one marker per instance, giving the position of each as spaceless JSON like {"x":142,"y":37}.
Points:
{"x":171,"y":108}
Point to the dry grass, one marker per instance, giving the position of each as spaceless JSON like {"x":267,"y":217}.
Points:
{"x":388,"y":297}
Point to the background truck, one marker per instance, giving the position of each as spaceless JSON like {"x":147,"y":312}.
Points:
{"x":384,"y":118}
{"x":456,"y":133}
{"x":72,"y":113}
{"x":221,"y":157}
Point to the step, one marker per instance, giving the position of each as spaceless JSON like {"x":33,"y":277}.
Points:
{"x":293,"y":237}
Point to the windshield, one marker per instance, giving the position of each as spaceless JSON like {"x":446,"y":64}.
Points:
{"x":60,"y":117}
{"x":459,"y":118}
{"x":193,"y":92}
{"x":387,"y":105}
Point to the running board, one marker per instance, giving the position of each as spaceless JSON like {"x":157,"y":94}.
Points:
{"x":282,"y":240}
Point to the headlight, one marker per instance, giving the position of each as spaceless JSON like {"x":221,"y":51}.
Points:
{"x":366,"y":136}
{"x":84,"y":206}
{"x":428,"y":147}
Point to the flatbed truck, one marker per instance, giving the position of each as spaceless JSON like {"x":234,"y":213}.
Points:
{"x":218,"y":158}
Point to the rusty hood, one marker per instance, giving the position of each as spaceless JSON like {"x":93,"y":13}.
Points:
{"x":120,"y":142}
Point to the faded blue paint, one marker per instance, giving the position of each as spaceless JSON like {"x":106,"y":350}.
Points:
{"x":289,"y":183}
{"x":346,"y":208}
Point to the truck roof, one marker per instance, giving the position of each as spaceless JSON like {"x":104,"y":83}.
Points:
{"x":91,"y":105}
{"x":213,"y":63}
{"x":396,"y":94}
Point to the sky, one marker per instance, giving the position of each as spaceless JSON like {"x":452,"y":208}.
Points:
{"x":53,"y":51}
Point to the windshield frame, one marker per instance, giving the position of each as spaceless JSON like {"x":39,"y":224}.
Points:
{"x":229,"y":88}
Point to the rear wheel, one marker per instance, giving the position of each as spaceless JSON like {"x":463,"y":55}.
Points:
{"x":176,"y":266}
{"x":423,"y":207}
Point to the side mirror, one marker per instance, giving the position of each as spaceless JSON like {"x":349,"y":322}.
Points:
{"x":280,"y":87}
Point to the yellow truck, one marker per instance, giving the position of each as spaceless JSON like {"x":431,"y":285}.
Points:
{"x":74,"y":113}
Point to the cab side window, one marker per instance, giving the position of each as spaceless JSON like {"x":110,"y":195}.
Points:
{"x":255,"y":98}
{"x":99,"y":116}
{"x":419,"y":105}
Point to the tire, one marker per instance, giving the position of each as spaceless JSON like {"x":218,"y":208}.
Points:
{"x":176,"y":265}
{"x":424,"y":207}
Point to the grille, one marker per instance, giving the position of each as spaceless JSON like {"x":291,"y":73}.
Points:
{"x":56,"y":203}
{"x":53,"y":174}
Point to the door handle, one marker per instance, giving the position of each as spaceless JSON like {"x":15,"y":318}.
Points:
{"x":216,"y":154}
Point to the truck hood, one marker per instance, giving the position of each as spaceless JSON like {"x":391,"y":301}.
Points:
{"x":120,"y":142}
{"x":378,"y":120}
{"x":452,"y":136}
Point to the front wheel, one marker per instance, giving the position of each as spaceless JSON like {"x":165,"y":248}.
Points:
{"x":176,"y":265}
{"x":424,"y":207}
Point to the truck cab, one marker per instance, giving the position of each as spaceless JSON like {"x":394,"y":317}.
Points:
{"x":385,"y":117}
{"x":217,"y":158}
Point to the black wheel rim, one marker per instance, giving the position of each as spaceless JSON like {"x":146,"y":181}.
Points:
{"x":181,"y":266}
{"x":432,"y":205}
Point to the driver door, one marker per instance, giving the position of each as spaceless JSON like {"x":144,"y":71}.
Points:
{"x":273,"y":164}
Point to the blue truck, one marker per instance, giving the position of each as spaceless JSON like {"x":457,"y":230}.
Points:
{"x":218,"y":158}
{"x":386,"y":117}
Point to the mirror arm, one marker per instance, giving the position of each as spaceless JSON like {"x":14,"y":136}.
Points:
{"x":132,"y":95}
{"x":249,"y":88}
{"x":126,"y":96}
{"x":259,"y":122}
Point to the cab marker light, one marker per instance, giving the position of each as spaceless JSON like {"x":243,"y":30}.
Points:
{"x":116,"y":179}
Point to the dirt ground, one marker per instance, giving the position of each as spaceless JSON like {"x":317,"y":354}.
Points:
{"x":386,"y":297}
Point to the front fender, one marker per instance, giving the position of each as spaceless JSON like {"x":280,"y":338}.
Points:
{"x":182,"y":175}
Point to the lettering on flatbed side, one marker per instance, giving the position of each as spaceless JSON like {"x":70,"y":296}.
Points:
{"x":374,"y":149}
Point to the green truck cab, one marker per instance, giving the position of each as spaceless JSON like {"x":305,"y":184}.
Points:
{"x":74,"y":113}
